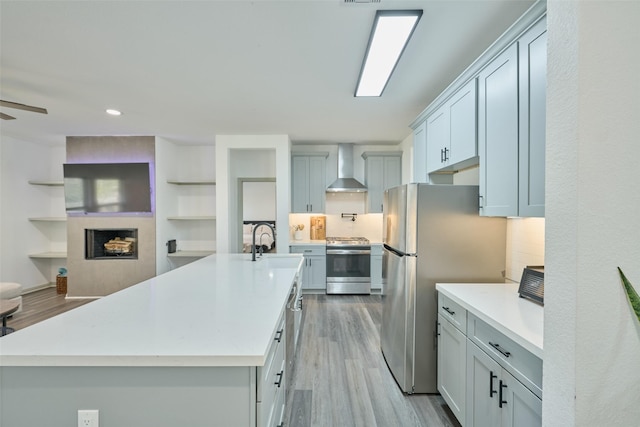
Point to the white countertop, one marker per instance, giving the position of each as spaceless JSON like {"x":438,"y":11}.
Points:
{"x":306,"y":242}
{"x":499,"y":305}
{"x":222,"y":310}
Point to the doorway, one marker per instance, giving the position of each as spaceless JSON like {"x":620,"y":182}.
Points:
{"x":256,"y":203}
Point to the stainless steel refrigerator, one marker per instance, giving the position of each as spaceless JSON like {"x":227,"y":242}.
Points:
{"x":432,"y":233}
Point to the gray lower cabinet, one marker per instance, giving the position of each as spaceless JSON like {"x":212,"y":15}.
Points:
{"x":497,"y":371}
{"x":382,"y":170}
{"x":314,"y":269}
{"x":376,"y":266}
{"x":271,"y":382}
{"x":308,"y":182}
{"x":452,"y":355}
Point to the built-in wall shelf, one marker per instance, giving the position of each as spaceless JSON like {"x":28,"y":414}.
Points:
{"x":48,"y":183}
{"x":203,"y":182}
{"x":191,"y":218}
{"x":191,"y":254}
{"x":49,"y":255}
{"x":49,"y":218}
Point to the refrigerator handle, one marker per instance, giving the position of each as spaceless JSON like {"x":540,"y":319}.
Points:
{"x":394,"y":251}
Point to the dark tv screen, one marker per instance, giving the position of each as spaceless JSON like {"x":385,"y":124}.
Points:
{"x":107,"y":187}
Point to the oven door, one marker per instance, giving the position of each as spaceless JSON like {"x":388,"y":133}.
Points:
{"x":349,"y":271}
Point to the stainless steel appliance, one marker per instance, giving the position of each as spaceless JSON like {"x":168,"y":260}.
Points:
{"x":348,"y":265}
{"x":432,"y":233}
{"x":293,"y":321}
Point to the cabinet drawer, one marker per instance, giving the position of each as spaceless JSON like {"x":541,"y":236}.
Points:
{"x":267,"y":373}
{"x":453,"y":312}
{"x":522,"y":364}
{"x":269,"y":406}
{"x":308,"y":249}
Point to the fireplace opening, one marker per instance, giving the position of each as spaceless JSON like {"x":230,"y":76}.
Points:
{"x":111,"y":243}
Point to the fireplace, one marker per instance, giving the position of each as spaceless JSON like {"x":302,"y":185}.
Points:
{"x":111,"y":243}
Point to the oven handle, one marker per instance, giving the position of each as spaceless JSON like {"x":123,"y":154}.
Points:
{"x":348,"y":251}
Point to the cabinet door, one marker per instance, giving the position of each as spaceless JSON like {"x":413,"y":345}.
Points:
{"x":483,"y":375}
{"x":498,"y":135}
{"x":452,"y":367}
{"x":299,"y":184}
{"x":317,"y":183}
{"x":317,"y":272}
{"x":375,"y":183}
{"x":420,"y":154}
{"x":462,"y":119}
{"x":392,"y":173}
{"x":376,"y":271}
{"x":522,"y":408}
{"x":437,"y":138}
{"x":532,"y":48}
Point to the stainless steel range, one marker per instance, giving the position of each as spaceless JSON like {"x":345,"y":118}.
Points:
{"x":348,"y":265}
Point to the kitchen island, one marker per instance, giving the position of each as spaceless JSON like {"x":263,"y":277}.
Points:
{"x":199,"y":345}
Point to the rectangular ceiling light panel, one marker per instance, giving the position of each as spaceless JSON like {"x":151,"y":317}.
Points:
{"x":389,"y":36}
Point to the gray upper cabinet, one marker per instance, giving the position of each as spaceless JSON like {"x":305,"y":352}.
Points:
{"x":308,"y":182}
{"x":498,"y":134}
{"x":451,"y":131}
{"x":532,"y":48}
{"x":511,"y":128}
{"x":383,"y":170}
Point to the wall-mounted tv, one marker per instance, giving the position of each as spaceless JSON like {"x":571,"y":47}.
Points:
{"x":107,"y":187}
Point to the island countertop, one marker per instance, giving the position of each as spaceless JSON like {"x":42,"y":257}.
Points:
{"x":499,"y":305}
{"x":222,"y":310}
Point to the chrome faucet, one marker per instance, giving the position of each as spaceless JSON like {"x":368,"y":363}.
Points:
{"x":253,"y":240}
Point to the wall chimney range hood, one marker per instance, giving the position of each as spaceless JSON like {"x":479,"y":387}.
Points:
{"x":346,"y":183}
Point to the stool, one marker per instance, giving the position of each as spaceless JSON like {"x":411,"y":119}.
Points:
{"x":7,"y":308}
{"x":13,"y":292}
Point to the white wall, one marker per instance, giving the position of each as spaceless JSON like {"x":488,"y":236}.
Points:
{"x":247,"y":151}
{"x":591,"y":336}
{"x":258,"y":201}
{"x":22,"y":161}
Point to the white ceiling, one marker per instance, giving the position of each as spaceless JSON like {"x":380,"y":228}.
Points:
{"x":190,"y":70}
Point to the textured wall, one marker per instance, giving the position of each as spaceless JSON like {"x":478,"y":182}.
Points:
{"x":592,"y":339}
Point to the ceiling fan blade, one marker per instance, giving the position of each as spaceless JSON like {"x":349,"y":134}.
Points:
{"x":4,"y":116}
{"x":23,"y":107}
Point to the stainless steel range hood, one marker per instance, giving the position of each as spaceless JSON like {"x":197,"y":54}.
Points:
{"x":346,"y":183}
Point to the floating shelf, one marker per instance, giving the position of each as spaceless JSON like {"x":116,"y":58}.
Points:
{"x":48,"y":183}
{"x":191,"y":254}
{"x":49,"y":255}
{"x":191,"y":218}
{"x":49,"y":218}
{"x":177,"y":182}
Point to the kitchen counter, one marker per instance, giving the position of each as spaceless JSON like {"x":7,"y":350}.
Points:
{"x":307,"y":242}
{"x":500,"y":306}
{"x":221,"y":310}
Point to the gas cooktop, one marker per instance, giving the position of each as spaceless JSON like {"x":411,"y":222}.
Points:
{"x":347,"y":241}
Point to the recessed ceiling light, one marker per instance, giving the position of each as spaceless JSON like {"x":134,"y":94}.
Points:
{"x":389,"y":36}
{"x":113,"y":112}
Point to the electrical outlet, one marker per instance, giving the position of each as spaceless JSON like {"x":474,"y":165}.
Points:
{"x":88,"y":418}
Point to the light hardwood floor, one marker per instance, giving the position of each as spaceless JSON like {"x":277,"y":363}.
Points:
{"x":42,"y":304}
{"x":341,"y":378}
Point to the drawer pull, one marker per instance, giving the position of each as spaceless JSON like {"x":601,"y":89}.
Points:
{"x":501,"y":400}
{"x":279,"y":375}
{"x":451,"y":312}
{"x":279,"y":335}
{"x":491,"y":390}
{"x":497,"y":347}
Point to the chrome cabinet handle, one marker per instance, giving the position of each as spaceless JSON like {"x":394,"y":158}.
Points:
{"x":500,"y":349}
